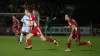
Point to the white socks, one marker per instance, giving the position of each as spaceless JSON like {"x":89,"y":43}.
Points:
{"x":21,"y":37}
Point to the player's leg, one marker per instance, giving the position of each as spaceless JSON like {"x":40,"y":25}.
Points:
{"x":29,"y":41}
{"x":16,"y":32}
{"x":39,"y":33}
{"x":72,"y":36}
{"x":83,"y":43}
{"x":50,"y":32}
{"x":17,"y":35}
{"x":21,"y":37}
{"x":46,"y":30}
{"x":78,"y":40}
{"x":25,"y":30}
{"x":69,"y":43}
{"x":49,"y":40}
{"x":22,"y":33}
{"x":32,"y":33}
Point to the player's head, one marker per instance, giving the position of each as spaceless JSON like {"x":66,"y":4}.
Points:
{"x":14,"y":17}
{"x":66,"y":17}
{"x":47,"y":17}
{"x":28,"y":11}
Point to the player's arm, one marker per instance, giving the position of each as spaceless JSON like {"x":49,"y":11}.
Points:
{"x":54,"y":18}
{"x":24,"y":17}
{"x":22,"y":20}
{"x":18,"y":23}
{"x":72,"y":28}
{"x":31,"y":23}
{"x":24,"y":23}
{"x":69,"y":26}
{"x":14,"y":24}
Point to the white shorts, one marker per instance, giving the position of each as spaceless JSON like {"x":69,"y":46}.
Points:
{"x":26,"y":29}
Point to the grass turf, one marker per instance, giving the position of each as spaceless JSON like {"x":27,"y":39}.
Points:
{"x":10,"y":47}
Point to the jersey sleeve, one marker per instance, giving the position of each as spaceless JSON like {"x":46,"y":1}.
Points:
{"x":17,"y":21}
{"x":32,"y":18}
{"x":22,"y":20}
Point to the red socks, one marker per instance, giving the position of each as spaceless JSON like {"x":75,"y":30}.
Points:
{"x":83,"y":43}
{"x":49,"y":40}
{"x":69,"y":45}
{"x":28,"y":42}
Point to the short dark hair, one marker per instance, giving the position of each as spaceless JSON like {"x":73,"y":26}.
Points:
{"x":29,"y":10}
{"x":14,"y":16}
{"x":68,"y":15}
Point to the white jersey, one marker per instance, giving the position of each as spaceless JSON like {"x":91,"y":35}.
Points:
{"x":26,"y":20}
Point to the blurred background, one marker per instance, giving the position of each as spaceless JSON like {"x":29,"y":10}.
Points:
{"x":85,"y":12}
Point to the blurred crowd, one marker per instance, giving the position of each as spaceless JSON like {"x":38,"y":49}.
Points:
{"x":79,"y":11}
{"x":42,"y":8}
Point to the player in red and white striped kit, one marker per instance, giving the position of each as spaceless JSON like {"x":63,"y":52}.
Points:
{"x":75,"y":33}
{"x":16,"y":26}
{"x":36,"y":30}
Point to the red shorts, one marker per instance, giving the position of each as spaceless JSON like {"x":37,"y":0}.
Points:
{"x":16,"y":29}
{"x":36,"y":31}
{"x":76,"y":35}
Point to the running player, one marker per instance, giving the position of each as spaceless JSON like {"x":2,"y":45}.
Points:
{"x":37,"y":14}
{"x":35,"y":31}
{"x":25,"y":30}
{"x":16,"y":26}
{"x":48,"y":26}
{"x":75,"y":33}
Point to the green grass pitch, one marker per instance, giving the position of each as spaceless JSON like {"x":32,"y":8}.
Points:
{"x":10,"y":47}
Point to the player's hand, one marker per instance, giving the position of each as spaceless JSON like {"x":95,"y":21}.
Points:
{"x":18,"y":26}
{"x":66,"y":26}
{"x":13,"y":26}
{"x":24,"y":25}
{"x":54,"y":18}
{"x":76,"y":39}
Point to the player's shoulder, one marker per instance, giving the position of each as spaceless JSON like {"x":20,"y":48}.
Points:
{"x":17,"y":20}
{"x":72,"y":19}
{"x":25,"y":16}
{"x":32,"y":15}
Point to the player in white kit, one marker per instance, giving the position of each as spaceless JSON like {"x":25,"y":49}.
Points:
{"x":25,"y":30}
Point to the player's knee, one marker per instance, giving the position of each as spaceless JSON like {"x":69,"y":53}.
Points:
{"x":69,"y":40}
{"x":22,"y":34}
{"x":43,"y":38}
{"x":77,"y":41}
{"x":16,"y":33}
{"x":29,"y":35}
